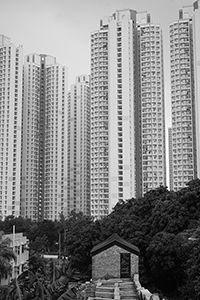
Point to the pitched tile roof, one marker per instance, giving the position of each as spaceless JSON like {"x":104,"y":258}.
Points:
{"x":113,"y":240}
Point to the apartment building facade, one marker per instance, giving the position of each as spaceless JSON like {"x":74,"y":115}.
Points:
{"x":196,"y":47}
{"x":11,"y":62}
{"x":78,"y":146}
{"x":184,"y":57}
{"x":170,"y":149}
{"x":44,"y":139}
{"x":99,"y":122}
{"x":112,"y":136}
{"x":127,"y":110}
{"x":152,"y":103}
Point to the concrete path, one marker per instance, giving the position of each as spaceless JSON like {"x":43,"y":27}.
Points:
{"x":116,"y":289}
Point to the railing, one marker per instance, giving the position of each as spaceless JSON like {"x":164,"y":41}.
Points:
{"x":143,"y":293}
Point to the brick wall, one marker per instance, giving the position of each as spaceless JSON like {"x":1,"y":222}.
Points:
{"x":107,"y":263}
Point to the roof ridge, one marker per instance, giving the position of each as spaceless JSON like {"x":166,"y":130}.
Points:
{"x":112,"y":240}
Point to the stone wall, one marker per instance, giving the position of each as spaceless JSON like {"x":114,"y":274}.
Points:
{"x":106,"y":264}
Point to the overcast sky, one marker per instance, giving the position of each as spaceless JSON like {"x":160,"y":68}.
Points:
{"x":61,"y":28}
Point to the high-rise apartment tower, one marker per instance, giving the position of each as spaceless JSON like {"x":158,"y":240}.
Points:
{"x":44,"y":155}
{"x":185,"y":95}
{"x":196,"y":47}
{"x":151,"y":110}
{"x":11,"y":61}
{"x":78,"y":146}
{"x":127,"y":110}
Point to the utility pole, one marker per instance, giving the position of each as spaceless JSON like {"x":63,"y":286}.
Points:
{"x":59,"y":245}
{"x":64,"y":239}
{"x":13,"y":242}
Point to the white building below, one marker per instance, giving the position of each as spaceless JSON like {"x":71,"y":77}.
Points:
{"x":19,"y":244}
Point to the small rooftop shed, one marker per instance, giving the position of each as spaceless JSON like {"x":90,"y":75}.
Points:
{"x":114,"y":258}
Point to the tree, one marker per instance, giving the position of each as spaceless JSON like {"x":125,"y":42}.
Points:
{"x":21,"y":224}
{"x":80,"y":239}
{"x":6,"y":257}
{"x":50,"y":230}
{"x":190,"y":289}
{"x":166,"y":257}
{"x":39,"y":245}
{"x":30,"y":286}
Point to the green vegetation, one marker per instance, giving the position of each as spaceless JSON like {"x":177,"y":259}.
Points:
{"x":30,"y":286}
{"x":164,"y":225}
{"x":6,"y":257}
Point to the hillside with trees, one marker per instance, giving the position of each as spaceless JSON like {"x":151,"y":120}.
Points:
{"x":164,"y":225}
